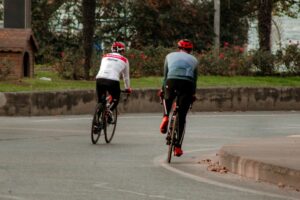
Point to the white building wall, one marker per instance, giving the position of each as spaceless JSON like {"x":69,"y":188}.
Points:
{"x":288,"y":32}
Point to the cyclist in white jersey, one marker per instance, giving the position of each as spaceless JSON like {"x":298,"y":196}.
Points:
{"x":113,"y":65}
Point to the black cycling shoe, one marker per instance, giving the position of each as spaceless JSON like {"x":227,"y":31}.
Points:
{"x":110,"y":118}
{"x":168,"y":139}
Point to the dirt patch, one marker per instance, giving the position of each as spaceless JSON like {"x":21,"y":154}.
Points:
{"x":213,"y":166}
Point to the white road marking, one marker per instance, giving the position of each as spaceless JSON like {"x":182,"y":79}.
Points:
{"x":10,"y":197}
{"x":160,"y":160}
{"x":104,"y":186}
{"x":294,"y":136}
{"x":132,"y":192}
{"x":193,"y":115}
{"x":282,"y":128}
{"x":42,"y":129}
{"x":60,"y":119}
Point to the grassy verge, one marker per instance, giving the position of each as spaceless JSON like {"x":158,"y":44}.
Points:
{"x":249,"y":81}
{"x":57,"y":83}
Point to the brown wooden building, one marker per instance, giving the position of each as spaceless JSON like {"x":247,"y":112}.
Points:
{"x":17,"y":48}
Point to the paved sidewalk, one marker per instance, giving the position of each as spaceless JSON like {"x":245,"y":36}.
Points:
{"x":274,"y":160}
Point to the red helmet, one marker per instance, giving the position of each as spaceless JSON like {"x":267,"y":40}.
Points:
{"x":185,"y":44}
{"x":117,"y":47}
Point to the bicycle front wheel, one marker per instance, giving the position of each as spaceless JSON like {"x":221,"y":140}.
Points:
{"x":110,"y":126}
{"x":170,"y":151}
{"x":97,"y":124}
{"x":174,"y":128}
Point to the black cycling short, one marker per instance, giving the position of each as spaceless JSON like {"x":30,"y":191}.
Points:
{"x":111,"y":86}
{"x":184,"y":91}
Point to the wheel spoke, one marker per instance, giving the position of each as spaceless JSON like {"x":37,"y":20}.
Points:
{"x":97,"y":124}
{"x":110,"y":125}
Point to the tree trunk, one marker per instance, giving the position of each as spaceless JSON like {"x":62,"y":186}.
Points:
{"x":88,"y":13}
{"x":265,"y":24}
{"x":41,"y":13}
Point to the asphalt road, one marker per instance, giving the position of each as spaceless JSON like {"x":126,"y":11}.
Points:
{"x":52,"y":158}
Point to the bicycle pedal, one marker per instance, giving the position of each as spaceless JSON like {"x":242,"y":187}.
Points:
{"x":96,"y":131}
{"x":168,"y":140}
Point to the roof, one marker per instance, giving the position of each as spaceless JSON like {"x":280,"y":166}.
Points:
{"x":16,"y":40}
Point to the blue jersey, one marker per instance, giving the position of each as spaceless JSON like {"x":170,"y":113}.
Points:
{"x":181,"y":65}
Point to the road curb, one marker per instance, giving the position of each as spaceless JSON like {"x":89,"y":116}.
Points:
{"x":258,"y":170}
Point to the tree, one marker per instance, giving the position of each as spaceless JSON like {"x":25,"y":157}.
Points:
{"x":88,"y":21}
{"x":166,"y":21}
{"x":264,"y":18}
{"x":234,"y":22}
{"x":111,"y":21}
{"x":42,"y":11}
{"x":265,"y":9}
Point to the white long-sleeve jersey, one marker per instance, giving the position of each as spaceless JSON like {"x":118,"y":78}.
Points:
{"x":112,"y":66}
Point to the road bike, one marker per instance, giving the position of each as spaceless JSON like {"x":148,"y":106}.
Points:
{"x":173,"y":128}
{"x":104,"y":119}
{"x":173,"y":131}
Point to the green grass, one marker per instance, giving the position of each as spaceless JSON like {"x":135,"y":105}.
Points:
{"x":249,"y":81}
{"x":57,"y":83}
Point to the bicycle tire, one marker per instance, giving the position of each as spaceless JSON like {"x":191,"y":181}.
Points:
{"x":173,"y":128}
{"x":97,"y":123}
{"x":110,"y":127}
{"x":170,"y":150}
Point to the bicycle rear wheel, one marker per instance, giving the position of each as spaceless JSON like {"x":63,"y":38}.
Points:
{"x":174,"y":128}
{"x":110,"y":126}
{"x":97,"y":123}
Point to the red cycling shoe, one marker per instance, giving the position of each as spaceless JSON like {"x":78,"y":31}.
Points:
{"x":178,"y":151}
{"x":164,"y":125}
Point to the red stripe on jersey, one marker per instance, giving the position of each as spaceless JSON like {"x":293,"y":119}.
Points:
{"x":116,"y":56}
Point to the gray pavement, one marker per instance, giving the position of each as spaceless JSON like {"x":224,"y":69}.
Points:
{"x":46,"y":158}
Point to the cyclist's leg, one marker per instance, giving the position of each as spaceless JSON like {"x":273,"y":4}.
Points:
{"x":183,"y":110}
{"x":170,"y":94}
{"x":114,"y":91}
{"x":101,"y":89}
{"x":169,"y":98}
{"x":184,"y":101}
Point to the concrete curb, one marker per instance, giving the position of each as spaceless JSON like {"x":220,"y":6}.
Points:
{"x":277,"y":162}
{"x":146,"y":100}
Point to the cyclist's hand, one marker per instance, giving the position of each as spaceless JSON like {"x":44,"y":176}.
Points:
{"x":160,"y":94}
{"x":194,"y":98}
{"x":128,"y":90}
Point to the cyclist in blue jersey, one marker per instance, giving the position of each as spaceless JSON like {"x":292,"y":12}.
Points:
{"x":180,"y":80}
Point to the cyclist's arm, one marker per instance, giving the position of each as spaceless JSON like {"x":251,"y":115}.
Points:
{"x":165,"y":74}
{"x":126,"y":76}
{"x":195,"y":79}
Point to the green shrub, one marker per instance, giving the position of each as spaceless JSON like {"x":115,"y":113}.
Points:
{"x":263,"y":62}
{"x":230,"y":61}
{"x":96,"y":59}
{"x":147,"y":62}
{"x":70,"y":66}
{"x":291,"y":58}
